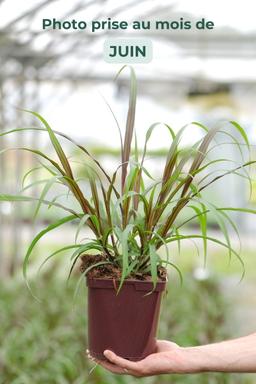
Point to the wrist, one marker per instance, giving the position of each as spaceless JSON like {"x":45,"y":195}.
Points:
{"x":207,"y":358}
{"x":196,"y":360}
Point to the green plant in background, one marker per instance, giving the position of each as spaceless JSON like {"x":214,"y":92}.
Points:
{"x":27,"y":356}
{"x":132,"y":219}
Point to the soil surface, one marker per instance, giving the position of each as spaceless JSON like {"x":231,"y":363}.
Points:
{"x":110,"y":271}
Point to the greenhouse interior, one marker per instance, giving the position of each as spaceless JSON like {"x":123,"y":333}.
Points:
{"x":195,"y":79}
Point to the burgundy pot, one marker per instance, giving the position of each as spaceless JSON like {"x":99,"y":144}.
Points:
{"x":125,"y":323}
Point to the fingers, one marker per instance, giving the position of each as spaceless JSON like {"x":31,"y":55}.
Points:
{"x":112,"y":368}
{"x":104,"y":364}
{"x":119,"y":361}
{"x":108,"y":365}
{"x":118,"y":365}
{"x":127,"y":367}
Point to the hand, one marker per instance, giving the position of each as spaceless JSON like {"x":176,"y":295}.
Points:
{"x":169,"y":358}
{"x":238,"y":355}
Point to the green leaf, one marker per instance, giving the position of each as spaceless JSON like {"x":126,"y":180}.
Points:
{"x":123,"y":238}
{"x":35,"y":183}
{"x":202,"y":218}
{"x":50,"y":227}
{"x":219,"y":220}
{"x":36,"y":152}
{"x":129,"y":122}
{"x":177,"y":233}
{"x":229,"y":172}
{"x":86,"y":247}
{"x":44,"y":192}
{"x":66,"y":248}
{"x":176,"y":268}
{"x":83,"y":149}
{"x":242,"y":132}
{"x":214,"y":240}
{"x":199,"y":157}
{"x":20,"y":198}
{"x":29,"y":173}
{"x":149,"y":133}
{"x":80,"y":225}
{"x":154,"y":259}
{"x":55,"y":143}
{"x":116,"y":121}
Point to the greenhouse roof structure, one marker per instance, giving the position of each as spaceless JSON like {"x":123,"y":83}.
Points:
{"x":216,"y":55}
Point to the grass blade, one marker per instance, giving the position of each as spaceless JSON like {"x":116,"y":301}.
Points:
{"x":19,"y":198}
{"x":129,"y":123}
{"x":154,"y":260}
{"x":50,"y":227}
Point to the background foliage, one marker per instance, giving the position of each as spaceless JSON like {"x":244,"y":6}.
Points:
{"x":46,"y":342}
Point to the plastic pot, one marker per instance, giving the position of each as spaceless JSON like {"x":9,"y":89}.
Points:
{"x":125,"y":323}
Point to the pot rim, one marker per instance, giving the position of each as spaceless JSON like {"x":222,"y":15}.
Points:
{"x":140,"y":285}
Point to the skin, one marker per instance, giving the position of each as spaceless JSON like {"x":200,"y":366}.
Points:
{"x":238,"y":355}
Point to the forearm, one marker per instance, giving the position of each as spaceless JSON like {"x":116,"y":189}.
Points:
{"x":237,"y":355}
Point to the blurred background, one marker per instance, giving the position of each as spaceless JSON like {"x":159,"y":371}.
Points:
{"x":204,"y":76}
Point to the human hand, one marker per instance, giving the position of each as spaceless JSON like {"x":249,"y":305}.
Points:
{"x":238,"y":355}
{"x":168,"y":358}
